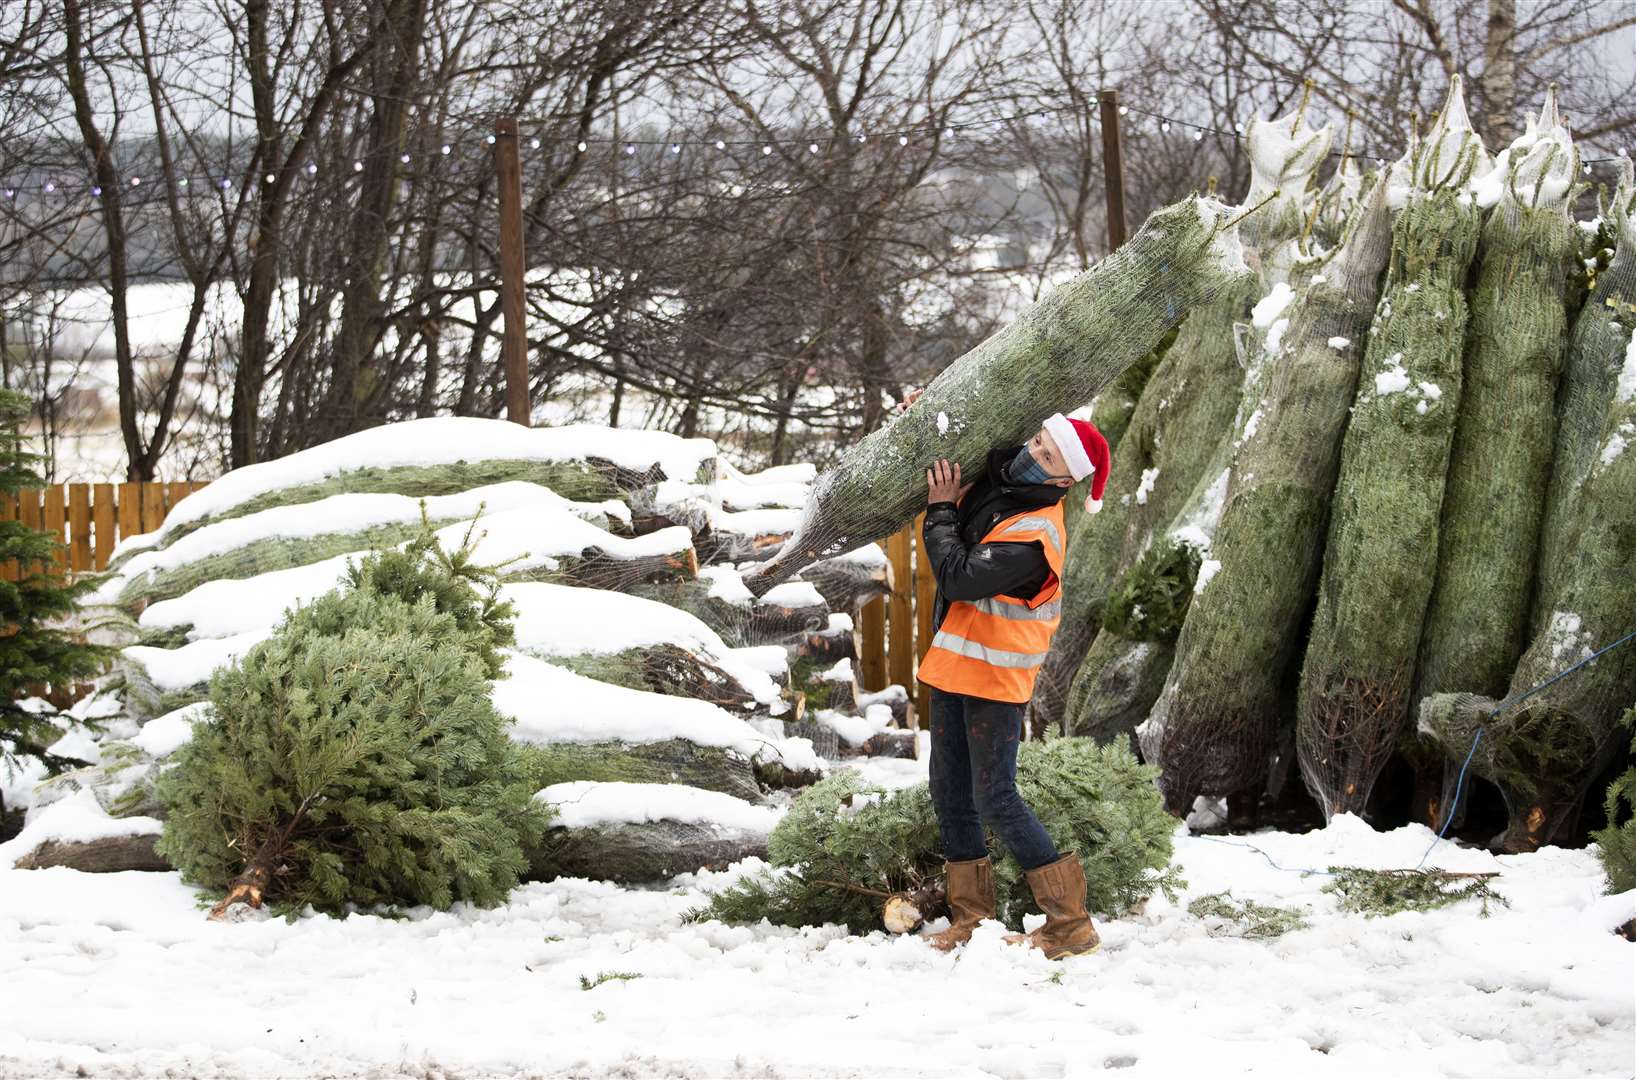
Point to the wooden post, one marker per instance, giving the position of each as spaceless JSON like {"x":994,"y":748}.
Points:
{"x":871,"y":671}
{"x":925,"y":592}
{"x":153,"y":506}
{"x":56,"y":523}
{"x":79,"y":527}
{"x":1113,"y":169}
{"x":102,"y":524}
{"x":514,"y":336}
{"x":900,"y":636}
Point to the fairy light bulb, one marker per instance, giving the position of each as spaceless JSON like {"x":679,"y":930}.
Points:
{"x":582,"y":146}
{"x":50,"y":187}
{"x":96,"y":189}
{"x":489,"y":140}
{"x":182,"y":182}
{"x":269,"y":178}
{"x":534,"y":143}
{"x":1165,"y":126}
{"x":312,"y":168}
{"x":357,"y":166}
{"x":630,"y":150}
{"x":404,"y":158}
{"x":675,"y":148}
{"x":445,"y":149}
{"x":1124,"y":110}
{"x":766,"y":151}
{"x":226,"y":183}
{"x":812,"y":148}
{"x":903,"y":140}
{"x":1198,"y":136}
{"x":720,"y":145}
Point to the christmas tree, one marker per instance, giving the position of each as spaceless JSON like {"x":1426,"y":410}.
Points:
{"x":34,"y":647}
{"x":355,"y":757}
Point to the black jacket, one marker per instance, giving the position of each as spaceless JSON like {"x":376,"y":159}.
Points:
{"x":966,"y":568}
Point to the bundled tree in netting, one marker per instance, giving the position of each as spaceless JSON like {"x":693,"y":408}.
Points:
{"x":1380,"y":557}
{"x":1544,"y":750}
{"x":1500,"y":460}
{"x":35,"y":647}
{"x":845,"y":848}
{"x":355,"y":758}
{"x":1211,"y":731}
{"x":1616,"y":842}
{"x":1093,"y":542}
{"x":1184,"y":462}
{"x":1058,"y":353}
{"x":1596,"y":352}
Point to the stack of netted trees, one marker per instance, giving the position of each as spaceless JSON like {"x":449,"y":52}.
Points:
{"x":1419,"y":511}
{"x":636,"y":672}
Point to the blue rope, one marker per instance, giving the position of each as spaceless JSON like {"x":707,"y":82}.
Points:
{"x":1459,"y":784}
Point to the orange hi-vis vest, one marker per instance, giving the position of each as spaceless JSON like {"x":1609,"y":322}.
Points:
{"x":993,"y":648}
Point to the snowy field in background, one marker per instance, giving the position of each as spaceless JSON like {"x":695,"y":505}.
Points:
{"x":120,"y":975}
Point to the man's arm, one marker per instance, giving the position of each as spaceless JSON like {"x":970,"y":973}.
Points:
{"x":980,"y":570}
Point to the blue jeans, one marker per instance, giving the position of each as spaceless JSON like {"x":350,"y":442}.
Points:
{"x":974,"y":780}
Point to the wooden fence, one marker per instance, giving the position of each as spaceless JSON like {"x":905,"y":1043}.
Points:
{"x":895,"y":631}
{"x":91,"y":518}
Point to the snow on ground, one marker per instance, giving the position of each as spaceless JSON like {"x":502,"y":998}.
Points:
{"x":120,"y":974}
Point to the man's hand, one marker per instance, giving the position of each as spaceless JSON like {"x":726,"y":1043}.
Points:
{"x":943,"y":483}
{"x":909,"y":398}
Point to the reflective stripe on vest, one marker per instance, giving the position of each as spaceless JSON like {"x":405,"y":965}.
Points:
{"x":993,"y":648}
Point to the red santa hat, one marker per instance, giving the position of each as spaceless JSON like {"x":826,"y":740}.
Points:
{"x":1085,"y":451}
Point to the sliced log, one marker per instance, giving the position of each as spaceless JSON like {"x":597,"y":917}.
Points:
{"x":847,"y":582}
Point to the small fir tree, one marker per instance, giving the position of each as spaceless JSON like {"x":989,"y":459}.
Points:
{"x":355,"y":757}
{"x":845,"y":848}
{"x":34,"y":647}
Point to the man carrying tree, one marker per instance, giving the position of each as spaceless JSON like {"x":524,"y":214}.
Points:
{"x":995,"y":546}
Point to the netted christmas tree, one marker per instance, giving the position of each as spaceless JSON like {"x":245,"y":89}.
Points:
{"x":845,"y":848}
{"x":1200,"y":403}
{"x":1500,"y":461}
{"x":36,"y":648}
{"x":1212,"y":728}
{"x":1380,"y":557}
{"x":1056,"y":355}
{"x":354,"y":758}
{"x":1544,"y":750}
{"x":1595,"y":355}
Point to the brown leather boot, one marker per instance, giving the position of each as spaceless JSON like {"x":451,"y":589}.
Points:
{"x":1059,"y":888}
{"x":971,"y":900}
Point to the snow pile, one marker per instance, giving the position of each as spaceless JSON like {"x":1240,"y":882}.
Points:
{"x":1539,"y":988}
{"x":552,"y":704}
{"x":585,"y":803}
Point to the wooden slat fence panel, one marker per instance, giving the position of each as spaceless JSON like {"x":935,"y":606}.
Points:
{"x":90,"y":519}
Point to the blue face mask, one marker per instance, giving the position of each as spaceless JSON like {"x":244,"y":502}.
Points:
{"x":1023,"y":469}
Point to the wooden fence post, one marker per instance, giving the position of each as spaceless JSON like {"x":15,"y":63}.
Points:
{"x":871,"y":671}
{"x":79,"y":527}
{"x":514,"y":336}
{"x":102,"y":525}
{"x":1113,"y":169}
{"x":900,"y":639}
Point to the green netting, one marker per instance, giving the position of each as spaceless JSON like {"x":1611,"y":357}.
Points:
{"x":1201,"y":406}
{"x":1595,"y":352}
{"x":1057,"y":354}
{"x":1381,"y":553}
{"x":673,"y":761}
{"x":1093,"y":543}
{"x":1543,"y":751}
{"x":1212,"y":729}
{"x":632,"y":854}
{"x":663,"y":669}
{"x":1503,"y":435}
{"x":1115,"y":687}
{"x":592,"y":480}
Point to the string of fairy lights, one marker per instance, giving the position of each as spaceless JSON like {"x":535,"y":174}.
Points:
{"x":787,"y":145}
